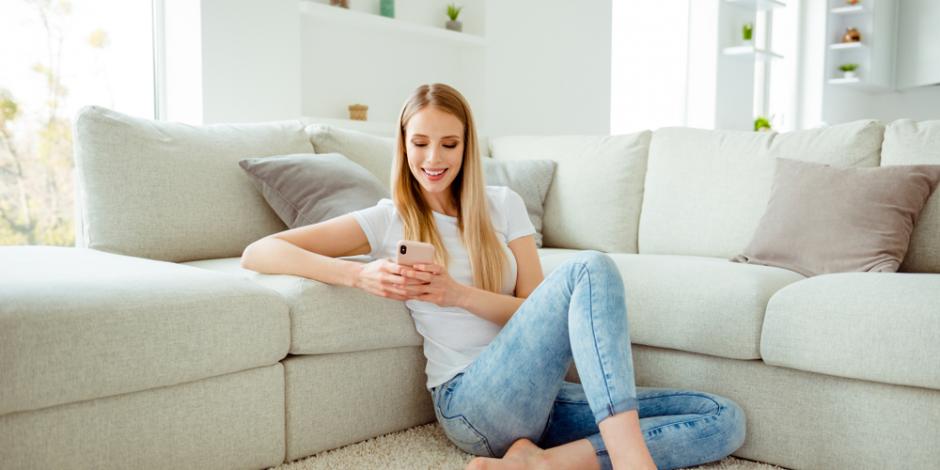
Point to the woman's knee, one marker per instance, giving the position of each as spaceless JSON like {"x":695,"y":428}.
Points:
{"x":734,"y":424}
{"x":596,"y":262}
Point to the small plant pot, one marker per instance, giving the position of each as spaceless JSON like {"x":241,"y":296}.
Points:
{"x":358,"y":112}
{"x":454,"y":25}
{"x":849,"y":74}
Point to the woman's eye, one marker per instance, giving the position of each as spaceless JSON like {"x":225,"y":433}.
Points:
{"x":451,"y":146}
{"x":419,"y":145}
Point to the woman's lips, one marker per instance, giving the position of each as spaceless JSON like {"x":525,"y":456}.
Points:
{"x":434,"y":175}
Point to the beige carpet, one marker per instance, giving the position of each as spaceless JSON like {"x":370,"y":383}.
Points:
{"x":426,"y":447}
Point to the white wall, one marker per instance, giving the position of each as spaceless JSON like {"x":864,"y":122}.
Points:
{"x":360,"y":62}
{"x":251,"y":53}
{"x":548,"y":67}
{"x":232,"y":60}
{"x":545,"y":67}
{"x":649,"y":76}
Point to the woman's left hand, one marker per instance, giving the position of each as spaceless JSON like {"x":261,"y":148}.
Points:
{"x":439,"y":288}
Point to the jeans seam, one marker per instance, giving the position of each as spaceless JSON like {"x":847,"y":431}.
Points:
{"x":551,"y":413}
{"x":572,"y":402}
{"x":717,"y":413}
{"x":486,"y":442}
{"x":610,"y":400}
{"x":682,"y":394}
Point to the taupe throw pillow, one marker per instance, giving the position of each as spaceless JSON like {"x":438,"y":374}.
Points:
{"x":305,"y":189}
{"x":825,"y":219}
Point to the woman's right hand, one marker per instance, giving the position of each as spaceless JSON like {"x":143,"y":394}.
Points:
{"x":383,"y":278}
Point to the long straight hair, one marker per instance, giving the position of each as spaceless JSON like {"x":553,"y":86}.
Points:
{"x":487,"y":259}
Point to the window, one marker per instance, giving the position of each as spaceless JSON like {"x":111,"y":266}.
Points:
{"x":57,"y":57}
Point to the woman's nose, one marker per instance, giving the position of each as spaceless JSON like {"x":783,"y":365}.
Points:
{"x":435,"y":155}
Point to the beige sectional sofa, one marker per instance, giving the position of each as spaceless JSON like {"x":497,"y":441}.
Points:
{"x":148,"y":346}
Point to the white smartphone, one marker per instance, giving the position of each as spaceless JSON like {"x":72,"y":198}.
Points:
{"x":412,"y":252}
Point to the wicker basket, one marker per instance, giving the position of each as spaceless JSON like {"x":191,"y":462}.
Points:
{"x":357,"y":112}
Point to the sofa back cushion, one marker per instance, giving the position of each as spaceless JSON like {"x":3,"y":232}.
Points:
{"x":706,"y":190}
{"x":910,"y":142}
{"x":372,"y":152}
{"x":595,"y":196}
{"x":171,"y":191}
{"x":530,"y":179}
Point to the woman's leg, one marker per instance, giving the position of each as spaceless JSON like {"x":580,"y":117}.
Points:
{"x":682,"y":428}
{"x":579,"y":313}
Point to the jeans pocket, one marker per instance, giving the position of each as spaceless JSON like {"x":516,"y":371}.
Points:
{"x":459,"y":430}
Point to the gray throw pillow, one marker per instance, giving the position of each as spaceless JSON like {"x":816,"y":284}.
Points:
{"x":304,"y":189}
{"x":828,"y":219}
{"x":529,"y":178}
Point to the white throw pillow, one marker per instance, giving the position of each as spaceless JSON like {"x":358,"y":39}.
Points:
{"x":596,"y":192}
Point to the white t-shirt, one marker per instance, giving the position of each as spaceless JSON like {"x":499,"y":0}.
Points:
{"x":453,"y":337}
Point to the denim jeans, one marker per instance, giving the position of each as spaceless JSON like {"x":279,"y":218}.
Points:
{"x":516,"y":389}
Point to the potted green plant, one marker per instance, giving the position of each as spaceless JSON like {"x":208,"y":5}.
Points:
{"x":848,"y":70}
{"x":747,"y":32}
{"x":762,"y":124}
{"x":452,"y":12}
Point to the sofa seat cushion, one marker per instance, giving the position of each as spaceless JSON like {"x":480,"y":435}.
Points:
{"x":330,"y":319}
{"x":694,"y":304}
{"x":874,"y":326}
{"x":78,"y":324}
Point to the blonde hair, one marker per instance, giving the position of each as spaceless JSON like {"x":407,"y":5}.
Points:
{"x":487,"y":258}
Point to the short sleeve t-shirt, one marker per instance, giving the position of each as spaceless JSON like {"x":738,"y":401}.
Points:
{"x":453,"y":337}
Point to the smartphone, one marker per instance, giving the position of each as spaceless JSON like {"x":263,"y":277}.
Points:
{"x":412,"y":252}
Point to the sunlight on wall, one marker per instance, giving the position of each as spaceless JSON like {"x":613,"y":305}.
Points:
{"x":648,"y":64}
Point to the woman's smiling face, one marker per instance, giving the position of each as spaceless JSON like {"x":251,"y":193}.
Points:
{"x":434,"y":143}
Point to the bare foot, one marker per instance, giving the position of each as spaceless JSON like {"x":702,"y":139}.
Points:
{"x":522,"y":455}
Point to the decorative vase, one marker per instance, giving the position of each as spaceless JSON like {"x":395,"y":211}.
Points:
{"x":747,"y":32}
{"x":387,"y":8}
{"x":848,"y":74}
{"x":455,"y":25}
{"x":340,"y":3}
{"x":852,"y":2}
{"x":357,"y":112}
{"x":851,"y":35}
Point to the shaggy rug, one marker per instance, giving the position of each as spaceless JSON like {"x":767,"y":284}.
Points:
{"x":426,"y":447}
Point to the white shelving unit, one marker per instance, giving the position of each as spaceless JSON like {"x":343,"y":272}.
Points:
{"x":758,"y":4}
{"x":849,"y":9}
{"x":356,"y":56}
{"x":755,"y":12}
{"x":379,"y":128}
{"x":372,"y":22}
{"x":876,"y":21}
{"x":751,"y":52}
{"x":743,"y":67}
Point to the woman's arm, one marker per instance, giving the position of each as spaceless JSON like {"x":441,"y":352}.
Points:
{"x":497,"y":308}
{"x":311,"y":251}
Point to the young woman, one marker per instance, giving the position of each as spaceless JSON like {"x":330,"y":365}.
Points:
{"x":497,"y":338}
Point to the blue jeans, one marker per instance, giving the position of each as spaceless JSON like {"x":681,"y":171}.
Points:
{"x":516,"y":389}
